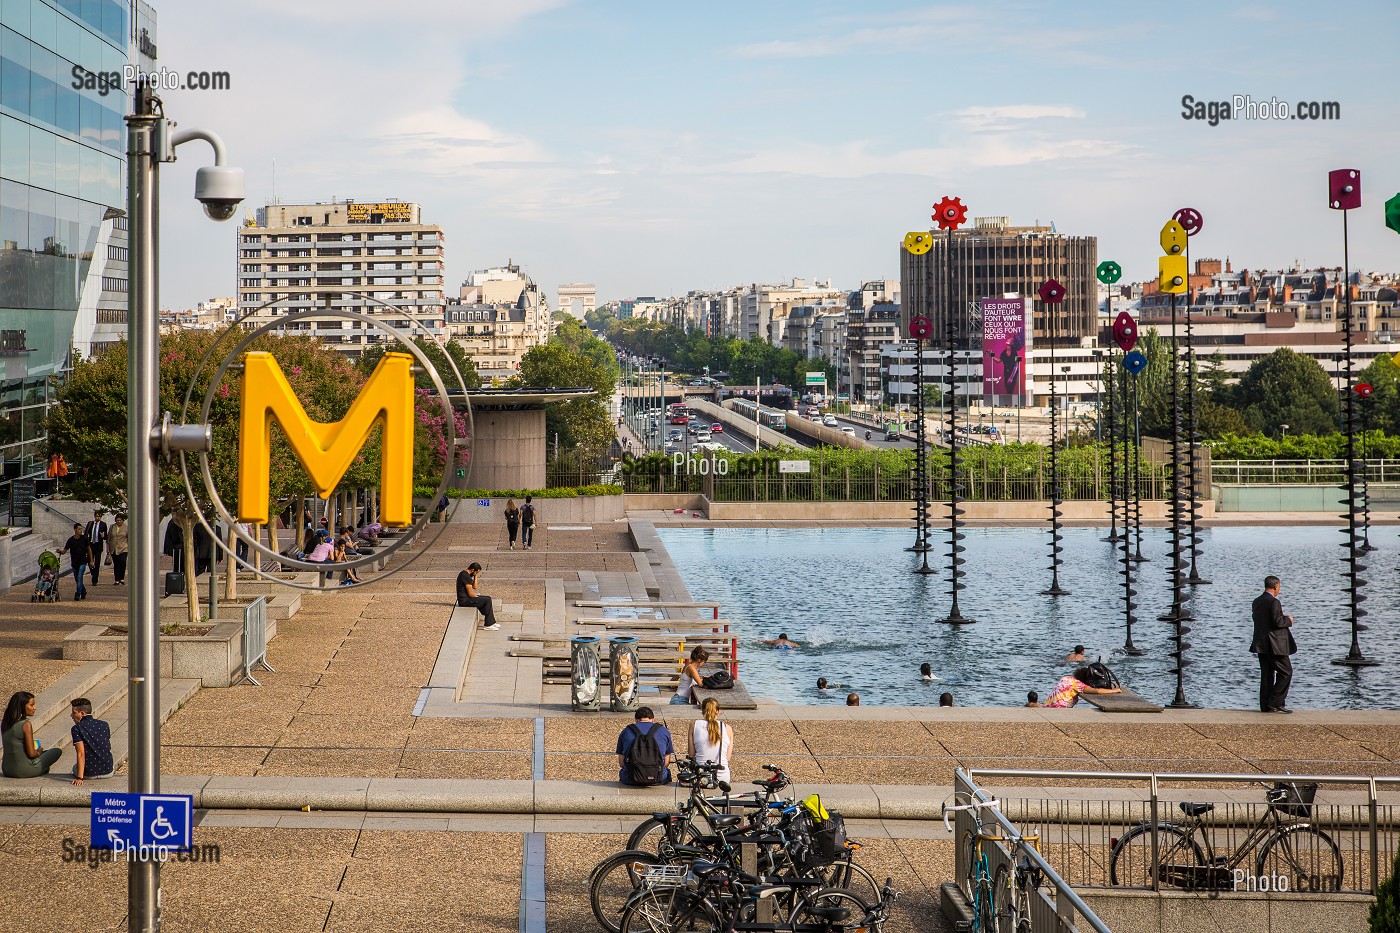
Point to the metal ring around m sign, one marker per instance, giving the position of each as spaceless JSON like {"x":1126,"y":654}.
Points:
{"x":207,"y":477}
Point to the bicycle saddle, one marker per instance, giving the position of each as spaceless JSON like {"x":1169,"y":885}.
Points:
{"x":829,"y":914}
{"x":726,"y":820}
{"x":1195,"y":809}
{"x":760,"y":891}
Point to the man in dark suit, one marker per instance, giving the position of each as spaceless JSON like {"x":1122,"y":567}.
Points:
{"x":1273,"y":642}
{"x":96,"y":534}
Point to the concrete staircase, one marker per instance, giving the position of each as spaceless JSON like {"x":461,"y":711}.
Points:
{"x":105,"y":684}
{"x":25,"y":547}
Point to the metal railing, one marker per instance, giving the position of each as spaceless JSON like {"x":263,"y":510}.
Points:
{"x":1320,"y":472}
{"x":254,"y":640}
{"x":1228,"y":849}
{"x":1054,"y":906}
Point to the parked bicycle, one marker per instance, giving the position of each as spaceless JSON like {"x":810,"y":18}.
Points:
{"x":978,"y":884}
{"x":1292,"y":853}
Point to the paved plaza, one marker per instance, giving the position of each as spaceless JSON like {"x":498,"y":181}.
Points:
{"x":334,"y":730}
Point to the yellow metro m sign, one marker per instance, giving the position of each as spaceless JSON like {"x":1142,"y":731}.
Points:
{"x":327,"y":450}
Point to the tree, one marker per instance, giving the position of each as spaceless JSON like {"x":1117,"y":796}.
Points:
{"x":1287,"y":387}
{"x":582,"y":423}
{"x":91,"y":417}
{"x":1382,"y":410}
{"x":437,"y":354}
{"x":580,"y":339}
{"x":1385,"y":912}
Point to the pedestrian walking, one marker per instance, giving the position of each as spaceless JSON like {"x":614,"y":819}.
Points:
{"x":79,"y":554}
{"x":96,"y":533}
{"x":117,"y":546}
{"x":1273,"y":642}
{"x":527,"y":524}
{"x":512,"y":521}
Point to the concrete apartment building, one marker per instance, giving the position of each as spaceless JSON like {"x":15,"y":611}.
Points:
{"x":994,"y":258}
{"x":343,"y":256}
{"x":499,"y":314}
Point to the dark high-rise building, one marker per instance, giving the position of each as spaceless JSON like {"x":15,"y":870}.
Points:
{"x":993,"y":258}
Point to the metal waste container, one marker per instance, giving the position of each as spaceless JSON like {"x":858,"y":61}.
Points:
{"x":583,"y":670}
{"x":625,"y":675}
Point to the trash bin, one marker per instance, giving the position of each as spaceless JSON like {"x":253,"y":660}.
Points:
{"x":625,"y":674}
{"x":583,"y":671}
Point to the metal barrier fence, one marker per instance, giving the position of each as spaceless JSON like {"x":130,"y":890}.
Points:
{"x":1054,"y":907}
{"x":1343,"y":842}
{"x":254,"y":640}
{"x":1320,"y":472}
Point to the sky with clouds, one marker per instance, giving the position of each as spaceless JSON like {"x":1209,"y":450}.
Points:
{"x":655,"y":148}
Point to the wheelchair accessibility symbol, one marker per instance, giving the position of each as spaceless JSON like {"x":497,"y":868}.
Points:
{"x":165,"y":821}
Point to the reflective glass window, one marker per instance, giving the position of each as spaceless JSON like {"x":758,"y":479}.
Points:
{"x":90,"y":117}
{"x":69,"y":44}
{"x":66,"y":166}
{"x":14,"y":218}
{"x":114,"y":21}
{"x":43,"y":89}
{"x":15,"y":13}
{"x":112,"y":168}
{"x":113,"y":129}
{"x":14,"y":149}
{"x":43,"y":24}
{"x":14,"y":71}
{"x":89,"y":174}
{"x":41,"y":158}
{"x":69,"y":106}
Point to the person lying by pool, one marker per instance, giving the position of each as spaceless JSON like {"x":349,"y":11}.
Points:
{"x":1067,"y":691}
{"x":781,"y":642}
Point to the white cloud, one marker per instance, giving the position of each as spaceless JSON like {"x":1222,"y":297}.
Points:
{"x":1003,"y":116}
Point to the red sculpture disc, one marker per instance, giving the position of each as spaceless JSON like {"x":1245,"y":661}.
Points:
{"x":950,"y":213}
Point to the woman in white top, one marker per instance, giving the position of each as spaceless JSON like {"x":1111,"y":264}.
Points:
{"x":711,"y":741}
{"x":690,"y":677}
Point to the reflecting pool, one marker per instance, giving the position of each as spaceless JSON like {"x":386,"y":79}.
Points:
{"x":865,"y":621}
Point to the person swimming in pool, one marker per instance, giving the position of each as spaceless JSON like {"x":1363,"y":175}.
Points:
{"x":781,"y":642}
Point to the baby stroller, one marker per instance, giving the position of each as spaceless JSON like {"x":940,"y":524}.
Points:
{"x":46,"y":584}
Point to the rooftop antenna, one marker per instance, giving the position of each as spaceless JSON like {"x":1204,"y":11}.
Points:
{"x":274,"y":181}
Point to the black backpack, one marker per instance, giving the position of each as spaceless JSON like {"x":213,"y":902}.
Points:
{"x":527,"y":514}
{"x":645,"y":763}
{"x":1100,"y":676}
{"x":719,"y":680}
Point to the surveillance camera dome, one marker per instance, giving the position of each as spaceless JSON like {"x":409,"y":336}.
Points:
{"x":220,"y":190}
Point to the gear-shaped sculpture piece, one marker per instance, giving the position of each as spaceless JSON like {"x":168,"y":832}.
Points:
{"x":1190,"y":220}
{"x":918,"y":242}
{"x":950,"y":213}
{"x":1392,"y":213}
{"x":1109,"y":272}
{"x":1051,"y":292}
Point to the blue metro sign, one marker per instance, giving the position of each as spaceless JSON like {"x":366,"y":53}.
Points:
{"x":136,"y":821}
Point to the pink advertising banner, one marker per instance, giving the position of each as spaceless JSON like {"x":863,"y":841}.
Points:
{"x":1004,"y":342}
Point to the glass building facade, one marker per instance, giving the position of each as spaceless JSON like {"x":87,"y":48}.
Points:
{"x":62,"y":195}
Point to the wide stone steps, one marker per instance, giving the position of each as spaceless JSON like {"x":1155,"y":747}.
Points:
{"x":24,"y":555}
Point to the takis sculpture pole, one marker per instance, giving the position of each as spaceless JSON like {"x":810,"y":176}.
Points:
{"x":1125,"y":335}
{"x":950,"y":214}
{"x":1191,"y":222}
{"x":1108,"y":375}
{"x":1171,"y":279}
{"x":1344,"y":194}
{"x":918,"y":243}
{"x":1363,"y":391}
{"x":1052,"y":293}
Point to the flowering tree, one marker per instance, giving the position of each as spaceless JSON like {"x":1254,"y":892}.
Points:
{"x":430,"y":438}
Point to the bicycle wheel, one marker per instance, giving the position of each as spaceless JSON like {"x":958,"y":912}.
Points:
{"x":845,"y":873}
{"x":1303,"y":857}
{"x":670,"y":910}
{"x":984,"y":902}
{"x":1013,"y":908}
{"x":1179,"y":856}
{"x":829,"y":910}
{"x":612,"y":882}
{"x":650,"y":832}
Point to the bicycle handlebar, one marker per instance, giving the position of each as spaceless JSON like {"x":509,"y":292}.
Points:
{"x":976,"y":805}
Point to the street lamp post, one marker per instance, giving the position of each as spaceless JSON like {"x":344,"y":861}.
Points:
{"x":150,"y":141}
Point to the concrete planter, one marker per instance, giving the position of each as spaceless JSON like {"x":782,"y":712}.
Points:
{"x":214,"y":659}
{"x":6,"y":550}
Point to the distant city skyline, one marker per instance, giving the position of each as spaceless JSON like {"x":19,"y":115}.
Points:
{"x":652,"y":151}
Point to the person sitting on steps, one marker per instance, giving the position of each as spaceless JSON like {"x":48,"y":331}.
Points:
{"x":469,"y":595}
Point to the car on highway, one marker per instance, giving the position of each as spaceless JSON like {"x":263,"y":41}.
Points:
{"x":716,"y":428}
{"x":680,"y":419}
{"x":675,"y":435}
{"x":704,"y":436}
{"x":692,"y":430}
{"x":849,"y":432}
{"x":812,"y":413}
{"x":831,"y":422}
{"x":891,"y":434}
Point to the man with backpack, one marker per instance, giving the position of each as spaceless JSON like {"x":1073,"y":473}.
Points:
{"x":645,"y":751}
{"x":527,"y":523}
